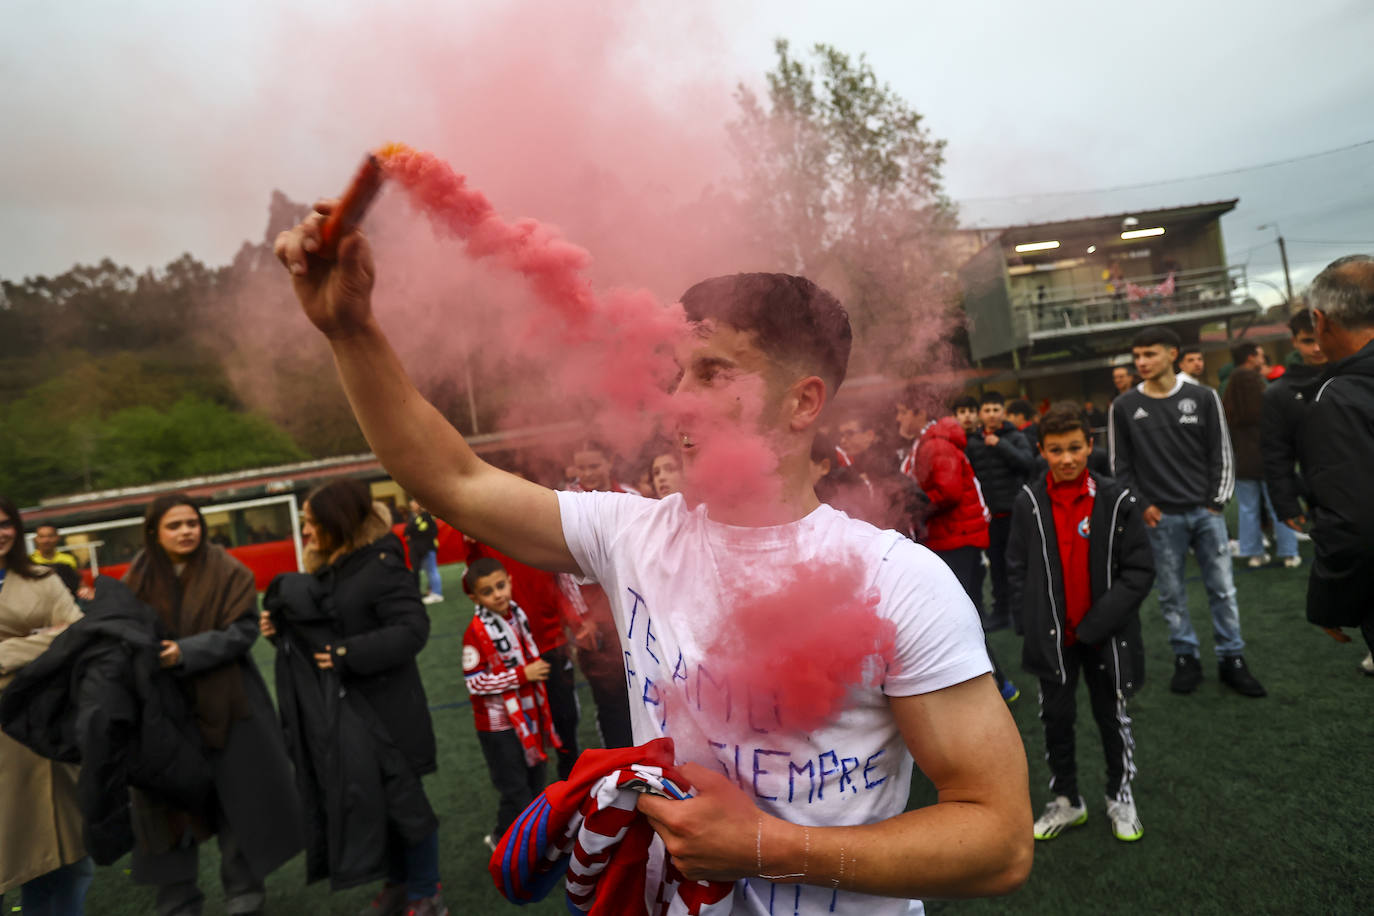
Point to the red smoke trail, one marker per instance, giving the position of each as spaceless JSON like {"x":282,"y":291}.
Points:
{"x":628,"y":334}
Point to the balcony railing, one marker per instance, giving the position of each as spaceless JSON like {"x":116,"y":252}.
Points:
{"x":1194,"y":293}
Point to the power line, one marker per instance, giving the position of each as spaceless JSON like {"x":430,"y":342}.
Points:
{"x":1164,"y":181}
{"x":1330,"y":241}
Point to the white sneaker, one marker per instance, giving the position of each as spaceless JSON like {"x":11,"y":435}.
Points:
{"x":1367,"y":666}
{"x":1292,"y":562}
{"x":1125,"y":822}
{"x":1059,"y":815}
{"x":432,"y":599}
{"x":1259,"y":561}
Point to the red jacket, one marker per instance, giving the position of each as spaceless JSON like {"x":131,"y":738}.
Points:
{"x":958,"y":516}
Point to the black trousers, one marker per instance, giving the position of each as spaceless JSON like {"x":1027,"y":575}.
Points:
{"x":1058,"y":711}
{"x":999,"y":533}
{"x":516,"y":782}
{"x":563,"y":706}
{"x":967,"y":565}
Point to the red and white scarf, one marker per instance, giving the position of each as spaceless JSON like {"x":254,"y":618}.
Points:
{"x":528,"y":704}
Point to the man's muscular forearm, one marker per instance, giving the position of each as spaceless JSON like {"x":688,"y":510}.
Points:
{"x":910,"y":855}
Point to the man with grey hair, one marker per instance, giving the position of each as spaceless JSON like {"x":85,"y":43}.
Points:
{"x":1335,"y":443}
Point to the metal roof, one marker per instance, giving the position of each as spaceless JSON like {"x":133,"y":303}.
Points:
{"x":1112,"y":221}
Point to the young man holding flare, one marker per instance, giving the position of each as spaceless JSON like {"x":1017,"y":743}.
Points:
{"x":815,"y":834}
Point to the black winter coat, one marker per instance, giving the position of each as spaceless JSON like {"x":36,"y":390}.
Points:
{"x":98,"y":697}
{"x":356,"y":784}
{"x":1121,"y":571}
{"x":381,"y":625}
{"x":1001,"y":469}
{"x":1285,"y":402}
{"x":1336,"y":442}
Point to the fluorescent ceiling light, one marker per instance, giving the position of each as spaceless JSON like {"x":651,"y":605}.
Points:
{"x":1040,"y":246}
{"x":1142,"y":233}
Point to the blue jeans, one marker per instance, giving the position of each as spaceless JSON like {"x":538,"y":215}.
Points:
{"x":1204,"y":532}
{"x":417,"y":867}
{"x":431,"y":567}
{"x":59,"y":893}
{"x":1249,"y":493}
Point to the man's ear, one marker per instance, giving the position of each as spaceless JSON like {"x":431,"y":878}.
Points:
{"x":1320,"y":323}
{"x":806,"y":400}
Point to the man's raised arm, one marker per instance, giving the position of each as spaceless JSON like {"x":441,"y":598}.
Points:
{"x":416,"y":445}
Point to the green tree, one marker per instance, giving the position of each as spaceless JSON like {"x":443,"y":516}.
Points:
{"x":842,"y":181}
{"x":191,"y":438}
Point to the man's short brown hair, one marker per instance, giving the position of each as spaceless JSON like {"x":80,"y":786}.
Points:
{"x":793,"y":320}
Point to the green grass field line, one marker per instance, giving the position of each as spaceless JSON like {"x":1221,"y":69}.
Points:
{"x":1249,"y":806}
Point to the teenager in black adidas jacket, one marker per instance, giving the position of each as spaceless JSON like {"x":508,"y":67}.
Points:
{"x":1079,"y":565}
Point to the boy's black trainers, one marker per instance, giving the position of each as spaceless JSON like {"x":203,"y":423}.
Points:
{"x":1235,"y":675}
{"x":1187,"y":674}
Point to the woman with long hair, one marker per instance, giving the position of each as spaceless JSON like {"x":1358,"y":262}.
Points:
{"x":40,"y":822}
{"x":206,"y":604}
{"x":375,"y":626}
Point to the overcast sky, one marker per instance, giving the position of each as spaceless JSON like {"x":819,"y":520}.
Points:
{"x":139,"y":130}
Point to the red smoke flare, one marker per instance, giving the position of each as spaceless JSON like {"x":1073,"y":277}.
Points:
{"x":354,"y":203}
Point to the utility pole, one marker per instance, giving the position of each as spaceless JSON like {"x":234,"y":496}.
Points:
{"x":1283,"y":256}
{"x":1287,"y":280}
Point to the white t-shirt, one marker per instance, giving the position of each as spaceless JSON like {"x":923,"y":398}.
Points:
{"x":672,"y":574}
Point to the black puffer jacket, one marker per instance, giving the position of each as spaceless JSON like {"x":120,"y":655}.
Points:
{"x":98,"y":697}
{"x":1121,"y":571}
{"x":356,"y":784}
{"x":1001,"y":469}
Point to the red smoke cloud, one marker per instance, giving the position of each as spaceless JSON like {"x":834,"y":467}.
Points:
{"x":823,"y":637}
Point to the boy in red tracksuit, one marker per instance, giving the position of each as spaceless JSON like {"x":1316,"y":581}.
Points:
{"x":504,"y":674}
{"x":1079,"y":565}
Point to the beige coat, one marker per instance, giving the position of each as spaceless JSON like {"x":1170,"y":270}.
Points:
{"x":39,"y":820}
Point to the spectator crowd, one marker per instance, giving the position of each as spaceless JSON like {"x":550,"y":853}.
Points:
{"x":1056,"y":521}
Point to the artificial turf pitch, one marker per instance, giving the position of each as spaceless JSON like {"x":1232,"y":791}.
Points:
{"x":1249,"y":806}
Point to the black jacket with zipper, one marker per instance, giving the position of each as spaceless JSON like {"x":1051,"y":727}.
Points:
{"x":1121,"y":571}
